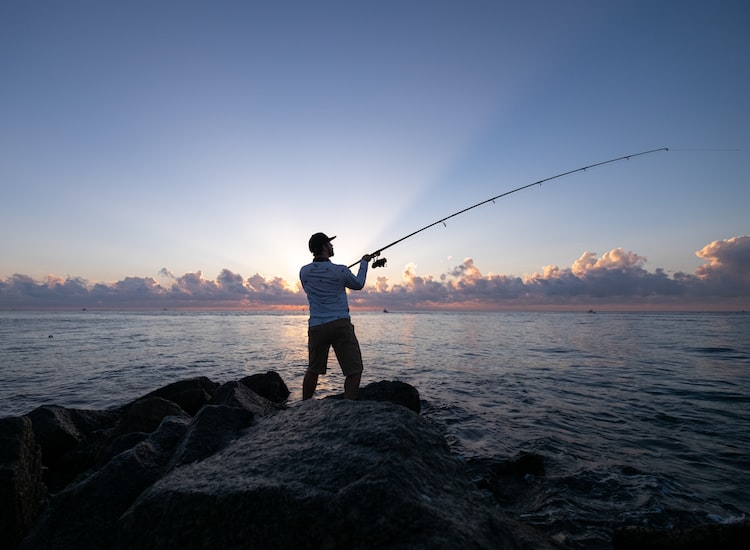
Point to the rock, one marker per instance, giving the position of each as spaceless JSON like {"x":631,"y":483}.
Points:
{"x":119,"y":444}
{"x":242,"y":470}
{"x":236,"y":394}
{"x":69,"y":439}
{"x":732,"y":536}
{"x":392,"y":391}
{"x":146,"y":414}
{"x":21,"y":487}
{"x":508,"y":480}
{"x":58,"y":429}
{"x":210,"y":431}
{"x":521,"y":467}
{"x":189,"y":394}
{"x":84,"y":515}
{"x":324,"y":474}
{"x":268,"y":385}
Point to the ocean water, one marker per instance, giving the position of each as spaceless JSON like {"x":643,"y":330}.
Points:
{"x":641,"y":418}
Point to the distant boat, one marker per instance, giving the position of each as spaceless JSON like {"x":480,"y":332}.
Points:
{"x":385,"y":311}
{"x":591,"y":311}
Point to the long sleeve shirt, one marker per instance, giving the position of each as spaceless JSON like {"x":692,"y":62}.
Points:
{"x":325,"y":284}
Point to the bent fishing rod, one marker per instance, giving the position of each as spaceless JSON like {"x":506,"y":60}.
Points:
{"x":381,"y":262}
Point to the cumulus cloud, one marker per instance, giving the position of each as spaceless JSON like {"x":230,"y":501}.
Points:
{"x":191,"y":290}
{"x":727,"y":267}
{"x":616,"y":278}
{"x":614,"y":260}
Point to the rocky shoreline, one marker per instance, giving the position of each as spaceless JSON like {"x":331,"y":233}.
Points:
{"x":196,"y":464}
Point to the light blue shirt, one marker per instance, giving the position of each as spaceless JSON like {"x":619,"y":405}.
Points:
{"x":325,"y":284}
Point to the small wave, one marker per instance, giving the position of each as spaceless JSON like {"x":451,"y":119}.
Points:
{"x":720,"y":352}
{"x":710,"y":350}
{"x":554,"y":351}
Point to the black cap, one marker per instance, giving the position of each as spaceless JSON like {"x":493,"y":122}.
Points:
{"x":318,"y":240}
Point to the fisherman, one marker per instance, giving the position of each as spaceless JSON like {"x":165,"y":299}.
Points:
{"x":330,"y":325}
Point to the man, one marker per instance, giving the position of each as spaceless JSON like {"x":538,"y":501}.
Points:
{"x":325,"y":284}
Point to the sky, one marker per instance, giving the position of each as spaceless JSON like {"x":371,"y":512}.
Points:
{"x":181,"y":153}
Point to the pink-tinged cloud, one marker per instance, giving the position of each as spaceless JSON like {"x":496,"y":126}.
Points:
{"x":616,"y":279}
{"x":727,"y":267}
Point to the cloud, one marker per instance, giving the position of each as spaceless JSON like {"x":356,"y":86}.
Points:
{"x":191,"y":290}
{"x":616,"y":279}
{"x":727,"y":270}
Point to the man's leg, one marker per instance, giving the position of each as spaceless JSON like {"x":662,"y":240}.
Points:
{"x":349,"y":356}
{"x":317,"y":349}
{"x":351,"y":385}
{"x":309,"y":383}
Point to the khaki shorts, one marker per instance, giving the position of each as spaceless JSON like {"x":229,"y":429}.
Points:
{"x":340,"y":335}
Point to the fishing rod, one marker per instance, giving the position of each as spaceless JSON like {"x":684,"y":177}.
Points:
{"x":381,"y":262}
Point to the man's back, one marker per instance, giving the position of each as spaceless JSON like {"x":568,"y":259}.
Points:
{"x":325,"y":284}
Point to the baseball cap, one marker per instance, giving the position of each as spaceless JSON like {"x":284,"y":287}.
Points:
{"x":318,"y":240}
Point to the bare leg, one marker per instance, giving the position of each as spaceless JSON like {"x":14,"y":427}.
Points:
{"x":351,"y":385}
{"x":309,"y":383}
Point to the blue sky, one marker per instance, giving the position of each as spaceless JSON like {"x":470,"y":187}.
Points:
{"x":148,"y":145}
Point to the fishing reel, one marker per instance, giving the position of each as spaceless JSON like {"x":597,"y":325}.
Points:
{"x":377,"y":263}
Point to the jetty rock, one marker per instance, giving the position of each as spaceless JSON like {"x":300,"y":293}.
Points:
{"x":202,"y":465}
{"x":325,"y":474}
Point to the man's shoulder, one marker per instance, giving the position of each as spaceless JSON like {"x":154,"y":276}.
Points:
{"x":321,"y":266}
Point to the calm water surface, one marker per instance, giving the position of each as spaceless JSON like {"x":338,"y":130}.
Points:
{"x":641,"y":418}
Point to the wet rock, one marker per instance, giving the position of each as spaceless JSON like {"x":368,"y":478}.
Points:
{"x":85,"y":514}
{"x":521,"y":467}
{"x":21,"y":487}
{"x":269,"y":385}
{"x":507,"y":480}
{"x":396,"y":392}
{"x":324,"y":474}
{"x":732,"y":536}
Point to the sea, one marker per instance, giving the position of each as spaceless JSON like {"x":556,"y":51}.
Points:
{"x":641,"y":418}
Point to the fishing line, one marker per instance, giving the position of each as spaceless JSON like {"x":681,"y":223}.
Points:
{"x":381,"y":262}
{"x":704,"y":150}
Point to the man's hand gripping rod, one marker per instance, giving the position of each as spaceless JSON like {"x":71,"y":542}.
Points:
{"x":377,"y":263}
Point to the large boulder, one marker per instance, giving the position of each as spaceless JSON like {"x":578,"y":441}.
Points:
{"x":233,"y":407}
{"x":190,"y":394}
{"x":392,"y":391}
{"x":210,"y":431}
{"x":84,"y":515}
{"x":59,"y":429}
{"x":242,"y":470}
{"x":324,"y":474}
{"x":236,"y":394}
{"x":21,"y":487}
{"x":70,"y":440}
{"x":146,"y":414}
{"x":269,"y":385}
